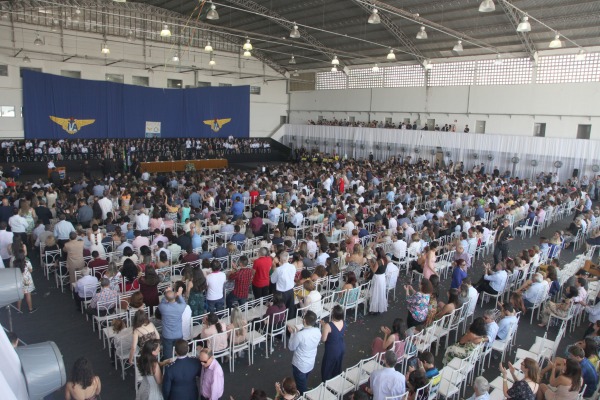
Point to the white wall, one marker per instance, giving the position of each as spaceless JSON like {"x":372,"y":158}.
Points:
{"x":506,"y":109}
{"x":265,"y":109}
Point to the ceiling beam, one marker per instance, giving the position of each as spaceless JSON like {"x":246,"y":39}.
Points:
{"x":515,"y":18}
{"x":286,"y":24}
{"x":395,"y":30}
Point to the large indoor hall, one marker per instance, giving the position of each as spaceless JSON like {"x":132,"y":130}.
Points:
{"x":309,"y":200}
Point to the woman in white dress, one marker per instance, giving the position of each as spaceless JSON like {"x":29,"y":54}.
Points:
{"x":378,"y":283}
{"x":150,"y":371}
{"x":95,"y":237}
{"x":21,"y":262}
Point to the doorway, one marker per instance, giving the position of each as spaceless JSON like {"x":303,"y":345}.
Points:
{"x":479,"y":126}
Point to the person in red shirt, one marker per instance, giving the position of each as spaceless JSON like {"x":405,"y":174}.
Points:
{"x":262,"y":267}
{"x":96,"y":264}
{"x":254,"y":195}
{"x":241,"y":275}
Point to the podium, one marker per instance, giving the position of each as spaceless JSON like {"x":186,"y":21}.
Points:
{"x":62,"y":171}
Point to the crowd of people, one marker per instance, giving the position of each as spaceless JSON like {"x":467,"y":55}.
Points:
{"x":361,"y":218}
{"x":404,"y":125}
{"x":148,"y":149}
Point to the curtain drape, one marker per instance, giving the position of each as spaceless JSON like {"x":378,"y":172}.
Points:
{"x":471,"y":148}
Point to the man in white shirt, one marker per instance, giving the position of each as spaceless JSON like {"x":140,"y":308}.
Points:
{"x":408,"y":231}
{"x":387,"y":382}
{"x":106,"y":206}
{"x":6,"y":239}
{"x":141,"y":222}
{"x":215,"y":299}
{"x":304,"y":344}
{"x":85,"y":288}
{"x":491,"y":327}
{"x":534,"y":291}
{"x":399,"y":247}
{"x":18,"y":226}
{"x":283,"y":278}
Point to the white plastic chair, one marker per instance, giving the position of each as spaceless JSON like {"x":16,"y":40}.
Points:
{"x":277,"y":327}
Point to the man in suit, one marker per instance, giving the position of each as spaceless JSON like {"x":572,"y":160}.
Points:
{"x":180,"y":379}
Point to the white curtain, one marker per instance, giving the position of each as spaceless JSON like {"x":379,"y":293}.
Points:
{"x":471,"y":148}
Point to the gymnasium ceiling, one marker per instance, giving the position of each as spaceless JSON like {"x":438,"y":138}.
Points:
{"x":336,"y":27}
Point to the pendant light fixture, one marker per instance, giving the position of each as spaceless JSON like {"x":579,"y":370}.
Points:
{"x":335,"y":61}
{"x":165,"y":32}
{"x":391,"y":56}
{"x":247,"y":45}
{"x":212,"y":13}
{"x":295,"y":33}
{"x":247,"y":53}
{"x":292,"y":60}
{"x":38,"y":40}
{"x":375,"y":69}
{"x":524,"y":25}
{"x":458,"y":47}
{"x":422,"y":34}
{"x":487,"y":6}
{"x":556,"y":43}
{"x":212,"y":59}
{"x":208,"y":48}
{"x":374,"y":18}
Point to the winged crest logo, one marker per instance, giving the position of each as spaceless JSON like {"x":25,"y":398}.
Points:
{"x":72,"y":125}
{"x":216,"y":124}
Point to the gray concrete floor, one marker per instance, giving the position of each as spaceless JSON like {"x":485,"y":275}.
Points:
{"x":58,"y":321}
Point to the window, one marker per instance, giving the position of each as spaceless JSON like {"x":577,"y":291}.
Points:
{"x":513,"y":71}
{"x":7,"y":111}
{"x":365,"y":78}
{"x":564,"y":68}
{"x":3,"y":70}
{"x":254,"y":89}
{"x":71,"y":74}
{"x":117,"y":78}
{"x":331,"y":80}
{"x":584,"y":131}
{"x":539,"y":129}
{"x":140,"y":80}
{"x":225,"y":84}
{"x":204,"y":84}
{"x":404,"y":76}
{"x":452,"y":74}
{"x":174,"y":83}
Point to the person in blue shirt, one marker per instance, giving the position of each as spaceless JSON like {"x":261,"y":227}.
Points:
{"x":237,"y":209}
{"x":238,"y":238}
{"x":458,"y":274}
{"x":171,"y":310}
{"x":588,"y":371}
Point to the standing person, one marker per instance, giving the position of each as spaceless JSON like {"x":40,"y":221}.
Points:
{"x":28,"y":287}
{"x":171,"y":309}
{"x":212,"y":381}
{"x":283,"y":278}
{"x":84,"y":384}
{"x":378,"y":283}
{"x":503,"y":236}
{"x":150,"y":371}
{"x":260,"y":280}
{"x":387,"y":382}
{"x":75,"y":260}
{"x":304,"y":344}
{"x":180,"y":380}
{"x":332,"y":334}
{"x":241,"y":275}
{"x":6,"y":240}
{"x":215,"y":281}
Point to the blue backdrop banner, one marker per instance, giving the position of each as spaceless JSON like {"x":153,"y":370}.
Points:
{"x":55,"y":107}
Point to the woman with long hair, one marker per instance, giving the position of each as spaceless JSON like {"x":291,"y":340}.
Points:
{"x":565,"y":379}
{"x":24,"y":265}
{"x":130,"y":273}
{"x":332,"y":334}
{"x":149,"y":287}
{"x":84,"y":384}
{"x":390,"y":335}
{"x":522,"y":389}
{"x":197,"y":293}
{"x":143,"y":331}
{"x":150,"y":371}
{"x":95,"y":236}
{"x":476,"y":334}
{"x":212,"y":326}
{"x":378,"y":283}
{"x":238,"y":321}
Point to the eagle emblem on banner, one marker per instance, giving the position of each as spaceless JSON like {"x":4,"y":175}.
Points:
{"x":216,"y":124}
{"x":72,"y":125}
